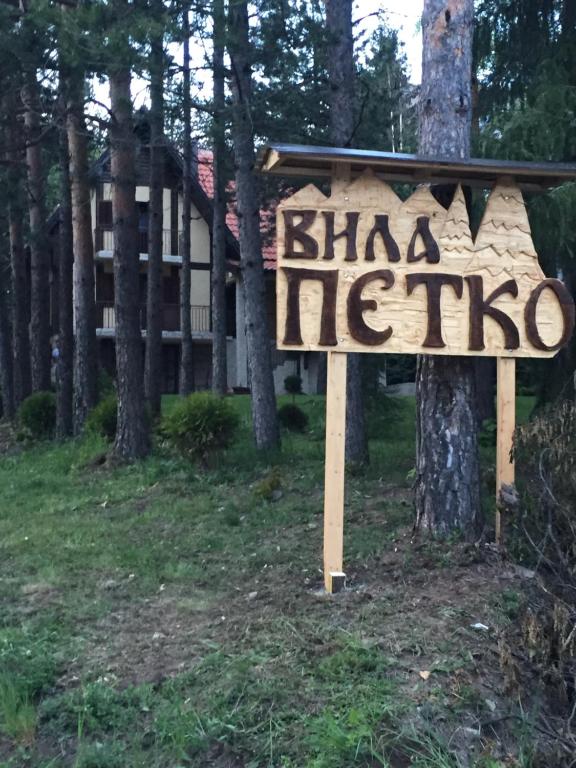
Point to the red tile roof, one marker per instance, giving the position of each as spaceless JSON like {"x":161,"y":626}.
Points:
{"x":267,"y":216}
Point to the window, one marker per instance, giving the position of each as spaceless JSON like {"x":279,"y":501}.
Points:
{"x":105,"y":214}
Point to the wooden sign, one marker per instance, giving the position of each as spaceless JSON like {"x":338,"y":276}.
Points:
{"x":363,"y":271}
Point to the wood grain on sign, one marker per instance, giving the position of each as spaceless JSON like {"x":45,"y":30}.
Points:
{"x":363,"y":271}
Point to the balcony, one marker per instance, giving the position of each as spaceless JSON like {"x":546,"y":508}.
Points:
{"x":199,"y":315}
{"x":171,"y":242}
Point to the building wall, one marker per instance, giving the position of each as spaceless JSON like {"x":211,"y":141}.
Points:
{"x":200,"y":287}
{"x":199,"y":238}
{"x":304,"y":364}
{"x":199,"y":235}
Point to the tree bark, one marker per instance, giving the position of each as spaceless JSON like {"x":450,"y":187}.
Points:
{"x":132,"y":437}
{"x":485,"y":378}
{"x":65,"y":345}
{"x":447,"y":489}
{"x":85,"y":354}
{"x":153,"y":364}
{"x":322,"y":375}
{"x":6,"y":359}
{"x":258,"y":343}
{"x":219,"y":371}
{"x":39,"y":264}
{"x":341,"y":76}
{"x":187,"y":356}
{"x":20,"y":311}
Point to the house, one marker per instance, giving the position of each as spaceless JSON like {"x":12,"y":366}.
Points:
{"x":303,"y":364}
{"x":200,"y":298}
{"x":200,"y":238}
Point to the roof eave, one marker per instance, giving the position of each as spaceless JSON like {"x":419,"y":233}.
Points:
{"x":314,"y":161}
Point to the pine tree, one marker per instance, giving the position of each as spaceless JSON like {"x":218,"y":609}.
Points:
{"x":447,"y":494}
{"x":6,"y":359}
{"x":219,"y":373}
{"x":132,"y":439}
{"x":342,"y":127}
{"x":258,"y":340}
{"x":39,"y":295}
{"x":153,"y":363}
{"x":527,"y":99}
{"x":19,"y":278}
{"x":85,"y":346}
{"x":187,"y":353}
{"x":65,"y":344}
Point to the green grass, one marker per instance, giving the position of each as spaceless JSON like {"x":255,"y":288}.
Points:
{"x":157,"y":615}
{"x":17,"y":713}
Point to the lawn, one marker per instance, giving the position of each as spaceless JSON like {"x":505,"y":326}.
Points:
{"x":157,"y":615}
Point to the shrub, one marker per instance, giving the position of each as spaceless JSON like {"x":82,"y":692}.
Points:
{"x":545,"y":455}
{"x":37,"y":415}
{"x":541,"y":531}
{"x":102,"y":420}
{"x":200,"y":425}
{"x":269,"y":488}
{"x":293,"y":418}
{"x":293,"y":385}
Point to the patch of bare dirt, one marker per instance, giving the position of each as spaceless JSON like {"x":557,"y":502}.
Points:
{"x":146,"y":641}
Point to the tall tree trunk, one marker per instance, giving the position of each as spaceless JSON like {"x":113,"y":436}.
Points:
{"x":6,"y":359}
{"x":20,"y":316}
{"x":484,"y":367}
{"x":153,"y":364}
{"x":341,"y":76}
{"x":132,"y":438}
{"x":39,"y":293}
{"x":219,"y":371}
{"x":568,"y":18}
{"x":322,"y":374}
{"x":85,"y":352}
{"x":64,"y":362}
{"x":187,"y":356}
{"x":447,"y":494}
{"x":264,"y":417}
{"x":485,"y":378}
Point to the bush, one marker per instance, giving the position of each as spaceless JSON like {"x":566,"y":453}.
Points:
{"x":545,"y":529}
{"x":293,"y":418}
{"x":200,"y":425}
{"x":269,"y":488}
{"x":541,"y":531}
{"x":37,"y":415}
{"x":103,"y":419}
{"x":293,"y":385}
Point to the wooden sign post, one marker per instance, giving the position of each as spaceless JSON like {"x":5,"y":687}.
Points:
{"x":335,"y":458}
{"x":505,"y":426}
{"x":364,"y":271}
{"x":334,"y":469}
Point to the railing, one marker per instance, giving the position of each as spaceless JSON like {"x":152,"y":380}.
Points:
{"x":171,"y":241}
{"x":199,"y":315}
